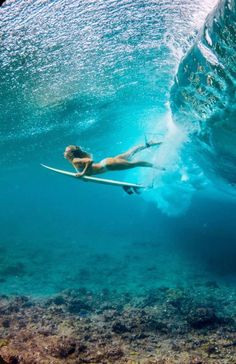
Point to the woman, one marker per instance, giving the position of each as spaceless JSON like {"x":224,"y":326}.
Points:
{"x":84,"y":164}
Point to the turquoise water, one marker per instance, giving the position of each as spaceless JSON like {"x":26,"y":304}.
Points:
{"x":99,"y":74}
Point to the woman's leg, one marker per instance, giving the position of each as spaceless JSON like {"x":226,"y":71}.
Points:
{"x":121,"y":164}
{"x":141,"y":164}
{"x":138,"y":148}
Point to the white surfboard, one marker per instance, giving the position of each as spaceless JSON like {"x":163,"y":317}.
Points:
{"x":127,"y":186}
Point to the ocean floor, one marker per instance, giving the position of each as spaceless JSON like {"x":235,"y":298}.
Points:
{"x":137,"y":303}
{"x":194,"y":325}
{"x":125,"y":299}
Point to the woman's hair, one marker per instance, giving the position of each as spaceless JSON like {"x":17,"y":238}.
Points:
{"x":77,"y":152}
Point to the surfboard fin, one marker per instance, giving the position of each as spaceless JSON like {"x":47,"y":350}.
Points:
{"x":137,"y":190}
{"x":132,"y":190}
{"x":128,"y":190}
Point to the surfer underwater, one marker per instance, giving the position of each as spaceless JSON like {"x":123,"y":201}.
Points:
{"x":85,"y":166}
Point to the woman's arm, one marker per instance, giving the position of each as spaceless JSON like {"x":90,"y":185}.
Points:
{"x":82,"y":160}
{"x":81,"y":174}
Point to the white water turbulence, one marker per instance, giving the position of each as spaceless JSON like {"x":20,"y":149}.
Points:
{"x":200,"y":146}
{"x":172,"y":189}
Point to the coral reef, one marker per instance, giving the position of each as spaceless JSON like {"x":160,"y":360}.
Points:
{"x":161,"y":326}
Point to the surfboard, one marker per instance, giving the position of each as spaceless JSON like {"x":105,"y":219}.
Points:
{"x":127,"y":186}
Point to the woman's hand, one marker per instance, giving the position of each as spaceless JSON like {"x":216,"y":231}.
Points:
{"x":79,"y":175}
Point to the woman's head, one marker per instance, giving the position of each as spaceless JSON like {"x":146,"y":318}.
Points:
{"x":73,"y":151}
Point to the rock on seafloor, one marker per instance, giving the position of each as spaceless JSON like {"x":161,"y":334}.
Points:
{"x":161,"y":326}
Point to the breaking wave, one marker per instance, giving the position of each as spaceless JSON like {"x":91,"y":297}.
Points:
{"x":203,"y":95}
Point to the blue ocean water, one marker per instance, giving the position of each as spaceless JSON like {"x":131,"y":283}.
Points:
{"x":102,"y":75}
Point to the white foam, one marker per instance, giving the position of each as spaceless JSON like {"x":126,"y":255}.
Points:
{"x":173,"y":188}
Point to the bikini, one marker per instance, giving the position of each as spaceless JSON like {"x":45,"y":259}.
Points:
{"x":103,"y":164}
